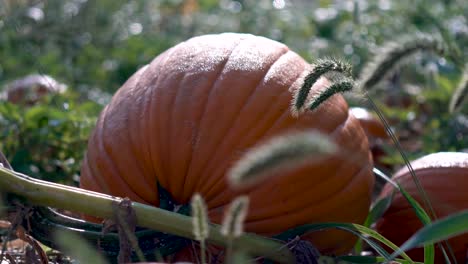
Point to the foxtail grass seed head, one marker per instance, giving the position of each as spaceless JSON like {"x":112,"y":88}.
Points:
{"x":394,"y":54}
{"x":342,"y":86}
{"x":282,"y":152}
{"x":199,"y":218}
{"x":233,"y":222}
{"x":321,"y":67}
{"x":461,"y":93}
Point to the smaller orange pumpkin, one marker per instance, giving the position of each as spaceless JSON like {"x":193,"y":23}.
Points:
{"x":30,"y":89}
{"x":373,"y":127}
{"x":444,"y":177}
{"x":375,"y":132}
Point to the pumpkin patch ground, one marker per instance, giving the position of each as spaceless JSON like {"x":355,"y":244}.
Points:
{"x":236,"y":147}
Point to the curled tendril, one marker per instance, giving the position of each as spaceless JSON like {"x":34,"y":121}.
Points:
{"x":393,"y":54}
{"x":321,"y":67}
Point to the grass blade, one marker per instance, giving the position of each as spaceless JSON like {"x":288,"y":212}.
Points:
{"x":372,"y":260}
{"x":363,"y":232}
{"x":375,"y":213}
{"x":439,"y":230}
{"x":378,"y":210}
{"x":419,"y":211}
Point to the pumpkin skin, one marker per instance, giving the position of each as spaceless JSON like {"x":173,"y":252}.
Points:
{"x":371,"y":124}
{"x":376,"y":134}
{"x":444,"y":177}
{"x":185,"y":118}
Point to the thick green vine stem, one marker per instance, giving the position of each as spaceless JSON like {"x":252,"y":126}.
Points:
{"x":43,"y":193}
{"x":44,"y":221}
{"x":320,"y":67}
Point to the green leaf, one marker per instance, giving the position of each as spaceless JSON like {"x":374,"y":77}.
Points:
{"x":420,"y":213}
{"x":372,"y":259}
{"x":437,"y":231}
{"x":363,"y":232}
{"x":378,"y":209}
{"x":78,"y":248}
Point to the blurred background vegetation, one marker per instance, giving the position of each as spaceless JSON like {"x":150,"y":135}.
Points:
{"x":92,"y":47}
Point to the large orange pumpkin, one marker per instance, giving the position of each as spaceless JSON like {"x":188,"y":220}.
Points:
{"x":185,"y":118}
{"x":444,"y":177}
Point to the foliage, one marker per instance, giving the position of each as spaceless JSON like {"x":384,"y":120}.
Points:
{"x":94,"y":46}
{"x":47,"y":140}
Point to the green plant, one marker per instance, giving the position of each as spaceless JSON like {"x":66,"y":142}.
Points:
{"x":95,"y":48}
{"x":47,"y":140}
{"x":443,"y":177}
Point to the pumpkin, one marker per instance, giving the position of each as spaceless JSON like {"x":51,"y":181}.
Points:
{"x":30,"y":89}
{"x":375,"y":132}
{"x":372,"y":125}
{"x":184,"y":119}
{"x":444,"y":177}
